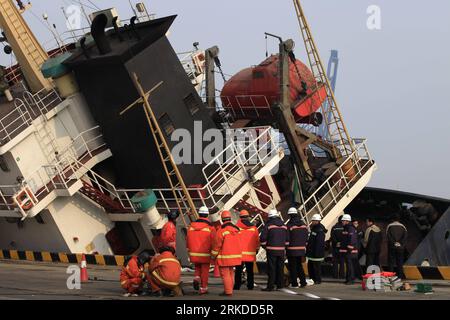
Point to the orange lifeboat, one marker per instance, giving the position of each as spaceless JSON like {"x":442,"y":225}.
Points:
{"x":251,"y":92}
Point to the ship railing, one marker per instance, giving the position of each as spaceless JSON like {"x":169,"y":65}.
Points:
{"x":24,"y":112}
{"x":44,"y":99}
{"x":224,"y":174}
{"x":84,"y":145}
{"x":239,"y":159}
{"x":192,"y":67}
{"x":247,"y":105}
{"x":167,"y":202}
{"x":14,"y":72}
{"x":15,"y":121}
{"x":123,"y":197}
{"x":334,"y":188}
{"x":61,"y":174}
{"x":229,"y":170}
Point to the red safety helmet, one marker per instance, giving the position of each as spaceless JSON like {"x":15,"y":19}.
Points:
{"x":244,"y":214}
{"x":226,"y":215}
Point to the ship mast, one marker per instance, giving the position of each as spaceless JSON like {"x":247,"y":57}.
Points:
{"x":29,"y":53}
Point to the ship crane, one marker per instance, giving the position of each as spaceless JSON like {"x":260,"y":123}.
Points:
{"x":29,"y":53}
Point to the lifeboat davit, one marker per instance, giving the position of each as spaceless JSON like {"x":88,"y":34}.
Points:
{"x":251,"y":92}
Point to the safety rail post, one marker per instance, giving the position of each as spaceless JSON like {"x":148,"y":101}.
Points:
{"x":331,"y":191}
{"x":4,"y":129}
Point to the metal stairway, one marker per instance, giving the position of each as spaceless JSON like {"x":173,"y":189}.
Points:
{"x":254,"y":211}
{"x":110,"y":205}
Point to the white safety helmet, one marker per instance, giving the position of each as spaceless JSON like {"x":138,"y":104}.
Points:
{"x":346,"y":217}
{"x":316,"y":217}
{"x":203,"y":211}
{"x":273,"y":213}
{"x":292,"y":211}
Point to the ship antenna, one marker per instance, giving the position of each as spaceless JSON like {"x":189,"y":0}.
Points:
{"x":267,"y":50}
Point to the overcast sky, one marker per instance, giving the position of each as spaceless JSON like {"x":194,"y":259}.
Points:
{"x":393,"y":84}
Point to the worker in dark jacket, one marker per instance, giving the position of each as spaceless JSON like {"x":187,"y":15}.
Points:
{"x":296,"y":250}
{"x":338,"y":257}
{"x":396,"y":234}
{"x":372,"y":243}
{"x":359,"y":247}
{"x":315,"y":249}
{"x":274,"y":239}
{"x":349,"y":248}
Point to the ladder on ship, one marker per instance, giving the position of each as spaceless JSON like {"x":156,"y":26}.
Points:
{"x":29,"y":53}
{"x":354,"y":169}
{"x":184,"y":202}
{"x":337,"y":131}
{"x":46,"y":140}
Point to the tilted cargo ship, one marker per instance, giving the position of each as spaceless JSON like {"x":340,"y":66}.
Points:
{"x":78,"y":176}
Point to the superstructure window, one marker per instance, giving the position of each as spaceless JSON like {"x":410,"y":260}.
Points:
{"x":166,"y":124}
{"x":191,"y":103}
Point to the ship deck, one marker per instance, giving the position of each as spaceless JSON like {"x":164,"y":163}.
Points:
{"x":61,"y":180}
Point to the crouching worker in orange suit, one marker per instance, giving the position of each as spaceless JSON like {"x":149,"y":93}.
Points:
{"x":164,"y":273}
{"x":133,"y":274}
{"x":227,"y":251}
{"x":200,"y":237}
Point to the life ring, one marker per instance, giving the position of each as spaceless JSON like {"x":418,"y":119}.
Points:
{"x":25,"y":199}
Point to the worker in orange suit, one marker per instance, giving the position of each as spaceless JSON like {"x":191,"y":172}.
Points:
{"x":164,"y":272}
{"x":227,"y":251}
{"x":249,"y":237}
{"x":133,"y":274}
{"x":200,"y":237}
{"x":168,"y":236}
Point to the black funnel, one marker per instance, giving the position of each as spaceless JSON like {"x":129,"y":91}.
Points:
{"x":98,"y":33}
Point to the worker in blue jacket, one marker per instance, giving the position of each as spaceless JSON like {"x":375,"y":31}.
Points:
{"x":338,"y":261}
{"x":274,"y":239}
{"x":296,"y":250}
{"x":349,"y":248}
{"x":315,"y":249}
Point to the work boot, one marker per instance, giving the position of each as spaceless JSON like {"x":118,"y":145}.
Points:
{"x":144,"y":293}
{"x":196,"y":284}
{"x":167,"y":293}
{"x":223,"y":294}
{"x":156,"y":293}
{"x":178,"y":291}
